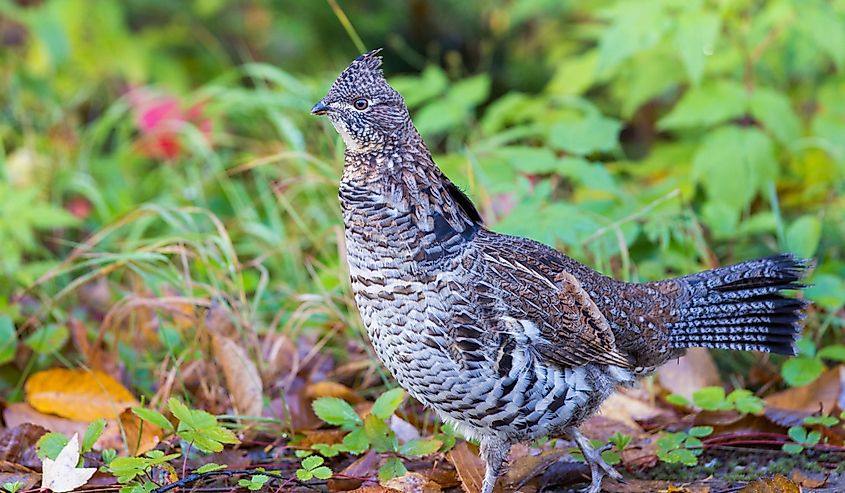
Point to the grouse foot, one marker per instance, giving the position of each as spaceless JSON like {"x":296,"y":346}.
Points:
{"x":598,"y":467}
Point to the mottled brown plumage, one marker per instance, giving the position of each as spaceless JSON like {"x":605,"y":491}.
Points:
{"x":505,"y":337}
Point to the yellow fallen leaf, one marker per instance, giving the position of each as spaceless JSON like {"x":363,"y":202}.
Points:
{"x":80,"y":395}
{"x":62,"y":475}
{"x":139,"y":438}
{"x":327,"y":388}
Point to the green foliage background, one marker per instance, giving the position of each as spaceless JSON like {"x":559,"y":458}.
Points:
{"x":648,"y":139}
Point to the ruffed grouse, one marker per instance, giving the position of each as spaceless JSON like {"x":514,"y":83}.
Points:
{"x":507,"y":338}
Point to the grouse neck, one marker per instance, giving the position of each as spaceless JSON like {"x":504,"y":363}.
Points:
{"x":406,"y":179}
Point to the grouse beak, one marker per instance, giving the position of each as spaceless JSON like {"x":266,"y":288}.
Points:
{"x":320,"y":109}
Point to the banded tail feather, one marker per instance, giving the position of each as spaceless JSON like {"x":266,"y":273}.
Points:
{"x":742,"y":307}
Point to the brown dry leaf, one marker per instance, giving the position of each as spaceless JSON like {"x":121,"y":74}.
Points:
{"x":651,"y":486}
{"x":805,"y":481}
{"x":20,"y":413}
{"x":627,"y":409}
{"x":375,"y":489}
{"x":17,"y":446}
{"x":77,"y":394}
{"x":242,"y":378}
{"x":363,"y":467}
{"x":29,"y":479}
{"x":441,"y":472}
{"x":524,"y":472}
{"x":599,"y":427}
{"x":327,"y":388}
{"x":774,"y":484}
{"x":791,"y":406}
{"x":139,"y":439}
{"x":328,"y":437}
{"x":413,"y":482}
{"x":691,"y":372}
{"x":470,"y":467}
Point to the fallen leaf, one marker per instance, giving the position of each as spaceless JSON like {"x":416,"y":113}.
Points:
{"x":622,"y":407}
{"x":28,"y":479}
{"x":77,"y":394}
{"x":241,"y":375}
{"x":279,"y":355}
{"x":404,"y":430}
{"x":62,"y":475}
{"x":441,"y":472}
{"x":375,"y":489}
{"x":800,"y":478}
{"x":562,"y":473}
{"x":601,"y":427}
{"x":470,"y":467}
{"x":20,"y":413}
{"x":651,"y":486}
{"x":691,"y":372}
{"x":363,"y":467}
{"x":328,"y":437}
{"x":17,"y":445}
{"x":139,"y":438}
{"x":791,"y":406}
{"x":413,"y":483}
{"x":525,"y":471}
{"x":327,"y":388}
{"x":774,"y":484}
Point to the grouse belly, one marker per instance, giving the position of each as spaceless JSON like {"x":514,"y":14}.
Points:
{"x":472,"y":375}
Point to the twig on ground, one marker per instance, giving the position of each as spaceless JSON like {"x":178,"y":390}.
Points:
{"x":194,"y":477}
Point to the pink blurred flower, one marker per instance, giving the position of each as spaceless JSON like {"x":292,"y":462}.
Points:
{"x":160,"y":118}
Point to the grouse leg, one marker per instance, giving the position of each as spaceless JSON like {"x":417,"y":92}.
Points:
{"x":598,"y":467}
{"x":493,"y":453}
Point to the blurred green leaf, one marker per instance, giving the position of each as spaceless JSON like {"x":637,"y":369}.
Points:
{"x":801,"y":370}
{"x":48,"y":339}
{"x":696,"y":39}
{"x":828,"y":291}
{"x":803,"y":235}
{"x":775,"y":111}
{"x":733,"y":164}
{"x":825,"y":27}
{"x":835,"y":352}
{"x":706,"y":105}
{"x":8,"y":339}
{"x":593,"y":133}
{"x":634,"y":27}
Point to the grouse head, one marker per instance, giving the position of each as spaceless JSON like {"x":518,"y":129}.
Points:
{"x":364,"y":109}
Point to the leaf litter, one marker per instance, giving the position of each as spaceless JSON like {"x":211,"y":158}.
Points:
{"x":268,"y":401}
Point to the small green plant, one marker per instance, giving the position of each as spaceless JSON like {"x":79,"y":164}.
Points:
{"x":371,"y":432}
{"x":12,"y":486}
{"x":682,"y":447}
{"x":108,"y":455}
{"x":803,"y":439}
{"x":210,"y":467}
{"x":254,"y":482}
{"x":200,"y":428}
{"x":714,"y":399}
{"x":312,"y":467}
{"x":51,"y":444}
{"x":808,"y":365}
{"x":133,"y":472}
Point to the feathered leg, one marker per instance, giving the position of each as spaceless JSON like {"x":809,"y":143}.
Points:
{"x":493,"y":453}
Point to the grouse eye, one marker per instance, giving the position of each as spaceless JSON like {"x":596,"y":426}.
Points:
{"x":361,"y":104}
